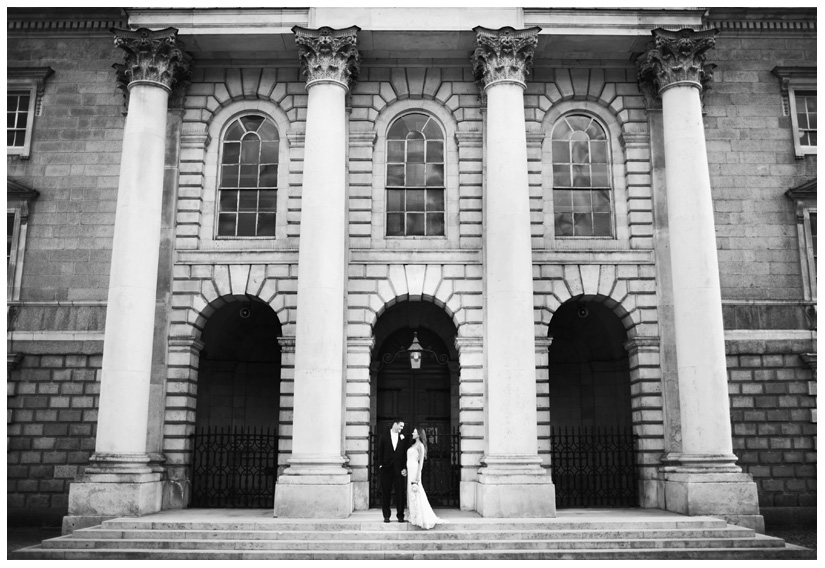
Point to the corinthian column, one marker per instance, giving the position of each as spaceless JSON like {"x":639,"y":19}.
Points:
{"x":118,"y":481}
{"x":316,"y":483}
{"x":511,"y":482}
{"x":703,"y":478}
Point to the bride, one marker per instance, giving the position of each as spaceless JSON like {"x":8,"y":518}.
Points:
{"x":420,"y":512}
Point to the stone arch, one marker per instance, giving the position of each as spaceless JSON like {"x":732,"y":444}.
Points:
{"x":449,"y":125}
{"x":618,"y":174}
{"x":413,"y":83}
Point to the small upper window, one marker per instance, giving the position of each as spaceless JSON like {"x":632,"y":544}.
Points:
{"x":798,"y":86}
{"x":415,"y":177}
{"x":18,"y":202}
{"x":24,"y":93}
{"x":804,"y":197}
{"x":248,"y":178}
{"x":581,"y":178}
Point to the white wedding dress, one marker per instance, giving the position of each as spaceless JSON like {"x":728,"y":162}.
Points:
{"x":420,"y":513}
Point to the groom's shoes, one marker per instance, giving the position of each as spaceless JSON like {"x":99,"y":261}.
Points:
{"x":402,"y":520}
{"x":386,"y":520}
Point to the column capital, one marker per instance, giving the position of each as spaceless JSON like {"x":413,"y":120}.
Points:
{"x":504,"y":55}
{"x":676,"y":57}
{"x":329,"y":55}
{"x":152,"y":56}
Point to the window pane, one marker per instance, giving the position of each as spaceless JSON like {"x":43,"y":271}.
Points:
{"x":561,"y":175}
{"x":234,"y":132}
{"x":415,"y":224}
{"x":415,"y":175}
{"x":415,"y":151}
{"x":812,"y":121}
{"x":581,"y":201}
{"x":435,"y":151}
{"x":24,"y":103}
{"x":395,"y":224}
{"x":435,"y":224}
{"x":246,"y":224}
{"x":562,"y":200}
{"x":802,"y":120}
{"x":229,"y":176}
{"x":601,"y":200}
{"x":599,"y":172}
{"x":581,"y":152}
{"x":269,"y":153}
{"x":22,"y":117}
{"x":564,"y":224}
{"x":395,"y":200}
{"x":561,"y":152}
{"x":579,"y":122}
{"x":582,"y":224}
{"x":226,"y":224}
{"x":252,"y":122}
{"x":435,"y":174}
{"x":267,"y":131}
{"x":267,"y":200}
{"x":395,"y":175}
{"x":813,"y":139}
{"x":416,"y":121}
{"x":581,"y":176}
{"x":248,"y":201}
{"x":9,"y":138}
{"x":598,"y":152}
{"x":601,"y":225}
{"x":435,"y":200}
{"x":266,"y":224}
{"x":395,"y":151}
{"x":250,"y":150}
{"x":229,"y":201}
{"x":231,"y":152}
{"x":415,"y":200}
{"x":398,"y":131}
{"x":595,"y":132}
{"x":249,"y":176}
{"x":11,"y":103}
{"x":433,"y":131}
{"x":269,"y":176}
{"x":561,"y":131}
{"x":10,"y":120}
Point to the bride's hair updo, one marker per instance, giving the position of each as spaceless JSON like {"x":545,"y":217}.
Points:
{"x":422,"y":435}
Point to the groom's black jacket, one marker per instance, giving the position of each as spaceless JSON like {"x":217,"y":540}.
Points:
{"x":387,"y":457}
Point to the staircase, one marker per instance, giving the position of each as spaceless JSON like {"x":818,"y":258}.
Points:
{"x":580,"y":534}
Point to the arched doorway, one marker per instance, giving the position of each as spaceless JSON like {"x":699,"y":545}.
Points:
{"x":592,"y":444}
{"x":423,"y":395}
{"x":235,"y":446}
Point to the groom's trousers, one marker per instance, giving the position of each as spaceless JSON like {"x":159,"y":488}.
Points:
{"x":389,"y":481}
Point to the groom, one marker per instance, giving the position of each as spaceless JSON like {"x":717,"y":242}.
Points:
{"x":392,"y":469}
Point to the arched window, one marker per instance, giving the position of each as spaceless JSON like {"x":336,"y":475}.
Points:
{"x":248,"y":178}
{"x":582,"y":200}
{"x":415,"y":177}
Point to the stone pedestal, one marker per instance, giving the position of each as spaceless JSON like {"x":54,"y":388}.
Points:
{"x":119,"y":480}
{"x":512,"y":482}
{"x":317,"y":483}
{"x":703,"y":478}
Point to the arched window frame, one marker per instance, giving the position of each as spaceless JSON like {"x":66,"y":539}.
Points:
{"x":383,"y":123}
{"x":617,"y":175}
{"x":218,"y":125}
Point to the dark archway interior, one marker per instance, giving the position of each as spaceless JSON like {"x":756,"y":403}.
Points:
{"x":240,"y":368}
{"x":588,"y":367}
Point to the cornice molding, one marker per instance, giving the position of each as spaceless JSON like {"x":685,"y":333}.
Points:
{"x":761,"y":26}
{"x":65,"y":25}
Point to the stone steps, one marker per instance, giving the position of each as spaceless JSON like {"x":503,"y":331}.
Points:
{"x":632,"y":535}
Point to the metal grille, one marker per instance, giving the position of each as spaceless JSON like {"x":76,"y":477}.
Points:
{"x":594,"y":466}
{"x":441,"y":476}
{"x":234,"y":467}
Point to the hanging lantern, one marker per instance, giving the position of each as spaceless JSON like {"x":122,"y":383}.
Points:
{"x":415,"y":351}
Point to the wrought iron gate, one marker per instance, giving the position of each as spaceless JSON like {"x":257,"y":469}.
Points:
{"x":441,"y":476}
{"x":234,"y":467}
{"x":594,"y":466}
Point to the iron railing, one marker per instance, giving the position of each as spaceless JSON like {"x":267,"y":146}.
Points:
{"x":441,"y":476}
{"x":234,"y":467}
{"x":594,"y":466}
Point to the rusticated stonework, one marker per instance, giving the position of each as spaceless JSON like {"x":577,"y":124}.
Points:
{"x":505,"y":54}
{"x":676,"y":56}
{"x":329,"y":55}
{"x":155,"y":56}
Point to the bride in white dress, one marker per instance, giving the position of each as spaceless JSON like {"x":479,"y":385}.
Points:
{"x":420,"y":512}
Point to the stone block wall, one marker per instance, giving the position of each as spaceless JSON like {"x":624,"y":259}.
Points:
{"x":772,"y":395}
{"x":52,"y":404}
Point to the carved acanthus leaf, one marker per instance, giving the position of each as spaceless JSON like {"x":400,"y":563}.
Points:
{"x":151,"y":55}
{"x":677,"y":56}
{"x":329,"y":55}
{"x":503,"y":55}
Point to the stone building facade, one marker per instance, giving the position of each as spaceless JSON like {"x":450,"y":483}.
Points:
{"x":584,"y":222}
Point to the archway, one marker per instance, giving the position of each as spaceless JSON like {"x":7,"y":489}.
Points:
{"x":235,"y":449}
{"x":424,"y":395}
{"x":592,"y":454}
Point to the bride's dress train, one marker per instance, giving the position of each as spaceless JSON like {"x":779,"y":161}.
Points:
{"x":420,"y":512}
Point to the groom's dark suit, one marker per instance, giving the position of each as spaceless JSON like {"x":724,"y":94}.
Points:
{"x":391,"y":463}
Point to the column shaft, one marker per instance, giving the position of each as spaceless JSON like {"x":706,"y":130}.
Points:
{"x":130,"y":313}
{"x":319,"y":337}
{"x":700,"y":342}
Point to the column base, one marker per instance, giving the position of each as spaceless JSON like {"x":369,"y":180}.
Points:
{"x":514,"y":487}
{"x":313,"y":497}
{"x":114,"y":485}
{"x":728,"y":496}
